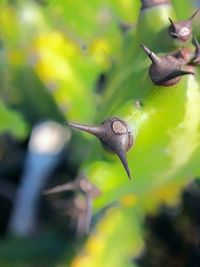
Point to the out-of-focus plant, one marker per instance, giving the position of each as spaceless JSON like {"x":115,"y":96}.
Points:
{"x":66,"y":54}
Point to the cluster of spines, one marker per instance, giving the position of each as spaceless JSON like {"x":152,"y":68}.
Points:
{"x":167,"y":70}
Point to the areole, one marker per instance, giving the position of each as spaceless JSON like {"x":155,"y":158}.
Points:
{"x":182,"y":29}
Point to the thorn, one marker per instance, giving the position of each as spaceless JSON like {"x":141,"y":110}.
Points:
{"x":172,"y":23}
{"x":154,"y":58}
{"x":122,"y":157}
{"x":175,"y":74}
{"x":185,"y":72}
{"x":86,"y":128}
{"x":114,"y":135}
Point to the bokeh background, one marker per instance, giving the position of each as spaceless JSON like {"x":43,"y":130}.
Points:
{"x":55,"y":61}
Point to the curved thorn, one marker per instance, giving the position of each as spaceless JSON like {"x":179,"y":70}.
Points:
{"x":175,"y":74}
{"x":184,"y":72}
{"x":178,"y":73}
{"x":154,"y":58}
{"x":195,"y":13}
{"x":86,"y":128}
{"x":122,"y":157}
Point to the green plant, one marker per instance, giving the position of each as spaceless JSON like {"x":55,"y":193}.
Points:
{"x":165,"y":128}
{"x":70,"y":51}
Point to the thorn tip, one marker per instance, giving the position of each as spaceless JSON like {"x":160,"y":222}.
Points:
{"x":123,"y":159}
{"x":171,"y":22}
{"x":86,"y":128}
{"x":154,"y":58}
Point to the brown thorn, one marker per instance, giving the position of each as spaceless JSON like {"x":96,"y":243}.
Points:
{"x":172,"y":23}
{"x":123,"y":159}
{"x":86,"y":128}
{"x":154,"y":58}
{"x":184,"y":72}
{"x":175,"y":74}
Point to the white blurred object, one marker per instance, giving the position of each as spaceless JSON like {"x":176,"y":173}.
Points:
{"x":48,"y":138}
{"x":45,"y":146}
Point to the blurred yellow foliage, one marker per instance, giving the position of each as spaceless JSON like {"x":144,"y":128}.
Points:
{"x":101,"y":51}
{"x":96,"y":244}
{"x":52,"y":62}
{"x":129,"y":200}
